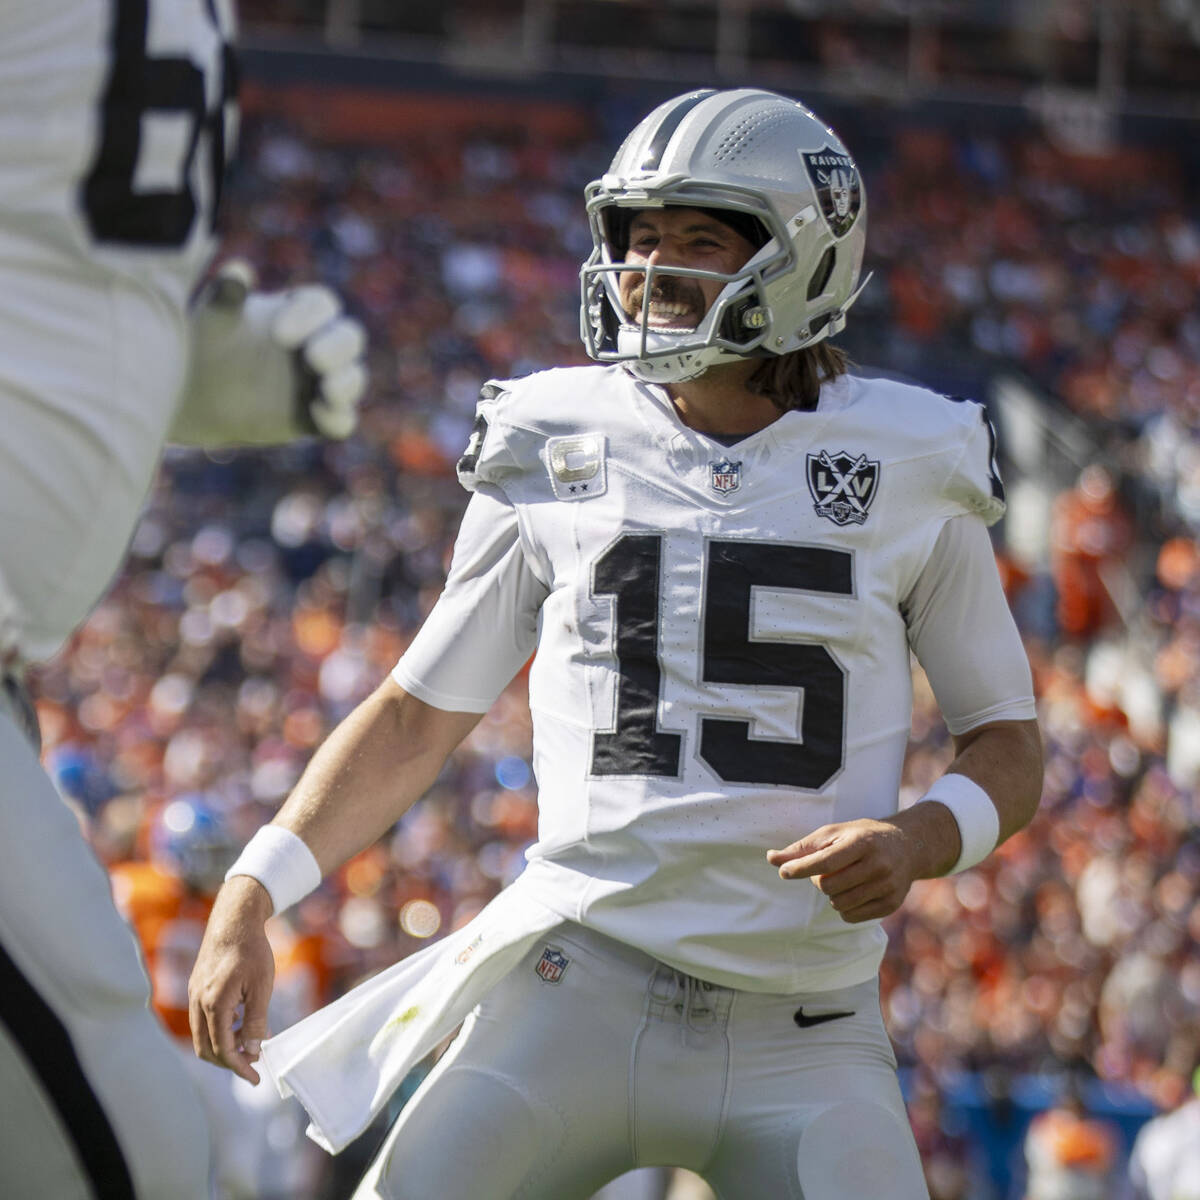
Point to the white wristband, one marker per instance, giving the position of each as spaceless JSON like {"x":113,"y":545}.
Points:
{"x":976,"y":815}
{"x":281,"y":862}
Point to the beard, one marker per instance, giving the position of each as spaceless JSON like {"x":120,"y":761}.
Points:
{"x":672,"y":290}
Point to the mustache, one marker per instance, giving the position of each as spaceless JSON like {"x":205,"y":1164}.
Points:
{"x":669,"y":289}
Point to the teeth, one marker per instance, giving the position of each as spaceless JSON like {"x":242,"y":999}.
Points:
{"x":665,"y":314}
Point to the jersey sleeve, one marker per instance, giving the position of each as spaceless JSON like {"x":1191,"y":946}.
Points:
{"x":487,"y":458}
{"x":974,"y":483}
{"x":484,"y":626}
{"x":963,"y":634}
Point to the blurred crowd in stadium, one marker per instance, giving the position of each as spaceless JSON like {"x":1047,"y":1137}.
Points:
{"x":267,"y":593}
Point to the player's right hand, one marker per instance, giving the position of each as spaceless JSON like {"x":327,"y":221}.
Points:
{"x":231,"y":982}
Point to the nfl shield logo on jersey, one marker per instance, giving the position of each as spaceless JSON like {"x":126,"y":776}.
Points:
{"x":842,"y":486}
{"x":724,"y":476}
{"x":552,"y":964}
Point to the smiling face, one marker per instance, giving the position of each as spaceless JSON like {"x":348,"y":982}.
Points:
{"x":678,"y":237}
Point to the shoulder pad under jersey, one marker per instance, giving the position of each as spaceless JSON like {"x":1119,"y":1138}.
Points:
{"x":974,"y":481}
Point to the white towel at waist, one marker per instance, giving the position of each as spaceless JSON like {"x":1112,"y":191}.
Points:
{"x":345,"y":1060}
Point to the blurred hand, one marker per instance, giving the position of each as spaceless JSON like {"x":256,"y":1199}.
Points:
{"x":233,"y":975}
{"x":269,"y":367}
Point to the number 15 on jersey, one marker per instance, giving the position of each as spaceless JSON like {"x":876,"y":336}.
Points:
{"x":630,"y":571}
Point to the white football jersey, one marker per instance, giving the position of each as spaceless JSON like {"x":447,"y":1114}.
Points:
{"x":116,"y":122}
{"x":116,"y":118}
{"x":722,"y":639}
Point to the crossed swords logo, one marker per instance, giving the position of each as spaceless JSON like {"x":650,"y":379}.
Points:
{"x":842,"y":487}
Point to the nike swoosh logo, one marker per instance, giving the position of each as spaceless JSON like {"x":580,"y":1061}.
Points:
{"x":805,"y":1021}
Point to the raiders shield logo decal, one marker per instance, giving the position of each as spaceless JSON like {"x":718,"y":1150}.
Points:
{"x":842,"y":486}
{"x":838,"y":186}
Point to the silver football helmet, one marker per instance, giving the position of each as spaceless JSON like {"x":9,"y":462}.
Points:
{"x":765,"y":159}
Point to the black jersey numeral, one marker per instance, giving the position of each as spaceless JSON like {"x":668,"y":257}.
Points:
{"x":630,"y":571}
{"x":734,"y":570}
{"x":160,"y":217}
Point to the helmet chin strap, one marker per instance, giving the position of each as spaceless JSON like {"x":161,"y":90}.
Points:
{"x":680,"y":366}
{"x":679,"y":369}
{"x":676,"y":367}
{"x":661,"y":372}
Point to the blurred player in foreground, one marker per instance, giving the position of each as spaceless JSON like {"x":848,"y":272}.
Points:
{"x":116,"y":120}
{"x":722,"y":546}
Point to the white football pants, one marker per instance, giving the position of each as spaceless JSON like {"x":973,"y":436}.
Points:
{"x":567,"y":1076}
{"x":94,"y":1100}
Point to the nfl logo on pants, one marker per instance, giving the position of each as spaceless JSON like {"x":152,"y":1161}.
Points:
{"x":552,"y":964}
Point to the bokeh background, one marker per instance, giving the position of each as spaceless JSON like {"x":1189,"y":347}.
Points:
{"x":1032,"y":172}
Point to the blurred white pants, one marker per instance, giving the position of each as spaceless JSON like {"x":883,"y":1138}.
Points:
{"x":94,"y":1100}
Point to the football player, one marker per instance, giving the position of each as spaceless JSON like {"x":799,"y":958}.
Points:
{"x":116,"y":119}
{"x":722,"y":546}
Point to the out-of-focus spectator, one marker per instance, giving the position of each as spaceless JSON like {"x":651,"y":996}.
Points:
{"x":168,"y":897}
{"x":1069,"y":1154}
{"x":945,"y":1150}
{"x":1091,"y":535}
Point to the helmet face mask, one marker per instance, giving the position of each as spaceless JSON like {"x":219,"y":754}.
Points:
{"x":759,"y":156}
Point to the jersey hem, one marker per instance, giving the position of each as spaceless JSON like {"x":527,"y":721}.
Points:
{"x":564,"y":892}
{"x":1024,"y":709}
{"x":443,"y":700}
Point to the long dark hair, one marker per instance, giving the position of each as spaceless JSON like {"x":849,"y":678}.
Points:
{"x":794,"y":380}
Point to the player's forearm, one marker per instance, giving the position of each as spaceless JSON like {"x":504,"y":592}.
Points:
{"x":1005,"y":760}
{"x":370,"y":770}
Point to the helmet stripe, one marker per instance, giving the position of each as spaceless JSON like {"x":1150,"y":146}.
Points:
{"x":668,"y":125}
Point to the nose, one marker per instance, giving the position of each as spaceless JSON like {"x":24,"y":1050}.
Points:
{"x":666,"y":252}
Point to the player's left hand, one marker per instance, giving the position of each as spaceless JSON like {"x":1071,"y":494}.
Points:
{"x":865,"y":867}
{"x":269,"y":367}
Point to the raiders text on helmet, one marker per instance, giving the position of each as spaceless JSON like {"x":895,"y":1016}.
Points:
{"x":763,"y":158}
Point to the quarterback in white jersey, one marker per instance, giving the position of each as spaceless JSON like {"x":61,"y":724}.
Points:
{"x":116,"y":119}
{"x":722,"y":547}
{"x":723,"y":658}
